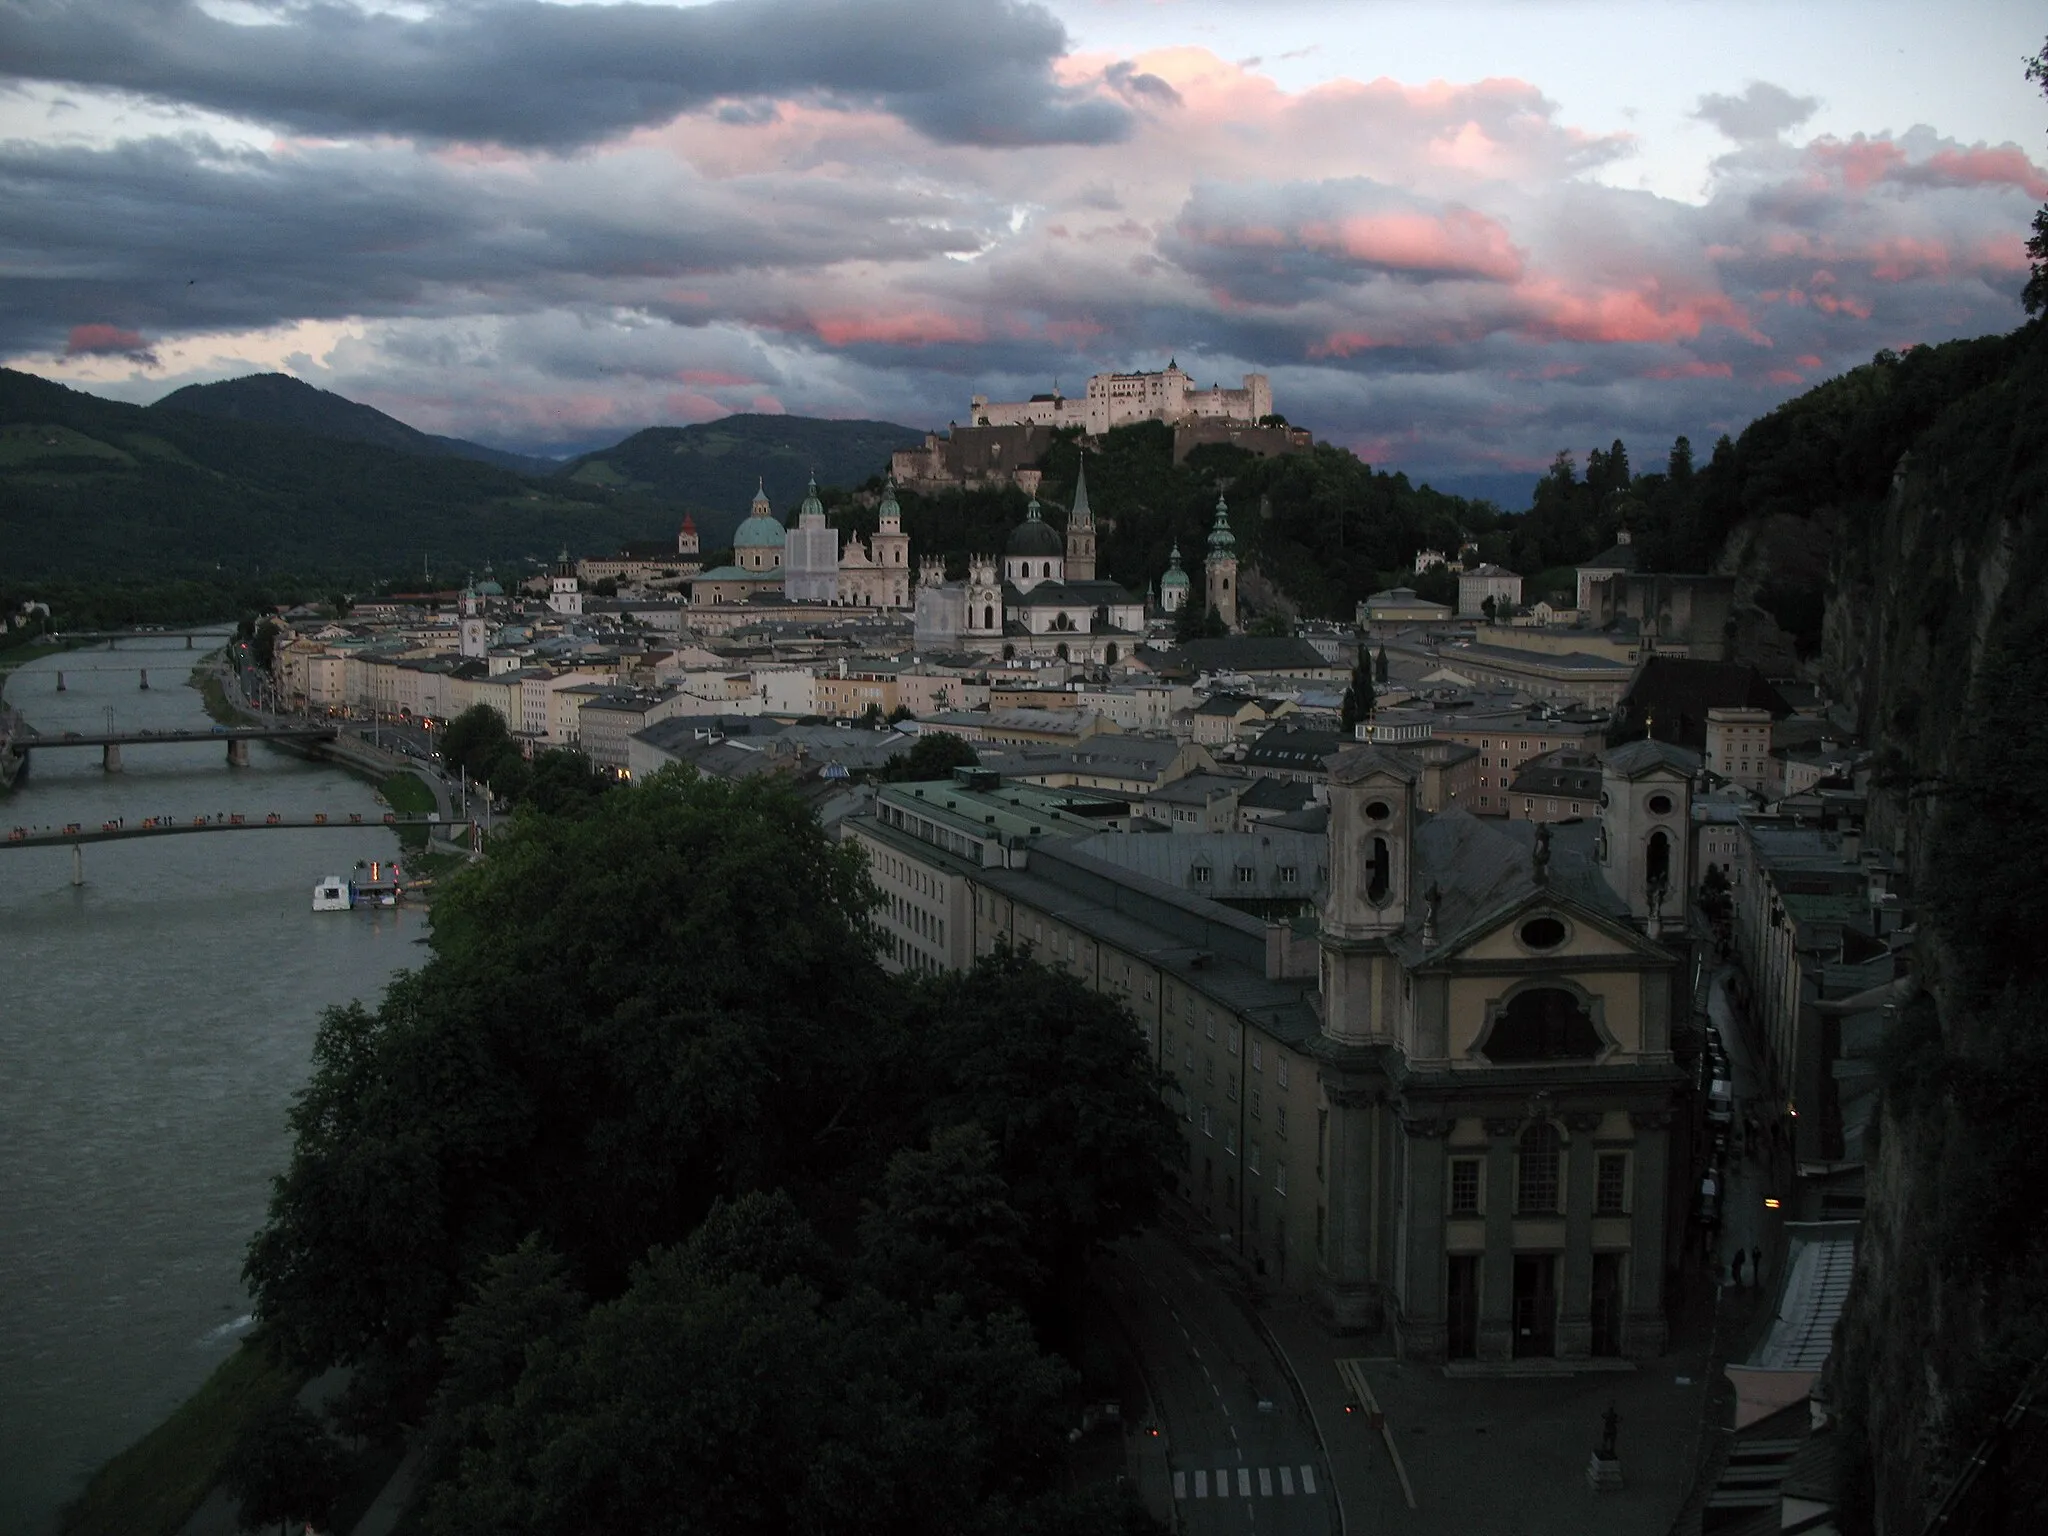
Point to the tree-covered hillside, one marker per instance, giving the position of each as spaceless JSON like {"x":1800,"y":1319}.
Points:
{"x":279,"y":400}
{"x":715,"y":467}
{"x":95,"y":488}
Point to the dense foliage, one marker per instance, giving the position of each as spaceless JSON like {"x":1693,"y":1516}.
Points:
{"x":91,"y":486}
{"x":669,"y":1208}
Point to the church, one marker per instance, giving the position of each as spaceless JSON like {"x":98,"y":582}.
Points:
{"x":805,"y":563}
{"x":1040,"y":597}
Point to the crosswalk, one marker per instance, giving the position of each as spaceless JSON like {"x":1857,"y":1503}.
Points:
{"x":1243,"y":1482}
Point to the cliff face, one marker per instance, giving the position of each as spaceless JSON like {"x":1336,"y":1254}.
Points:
{"x":1935,"y":637}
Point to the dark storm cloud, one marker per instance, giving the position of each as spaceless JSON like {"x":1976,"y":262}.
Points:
{"x":539,"y":76}
{"x":182,"y":236}
{"x":1763,"y":111}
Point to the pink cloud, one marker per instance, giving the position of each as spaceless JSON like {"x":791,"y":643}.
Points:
{"x":1073,"y":330}
{"x":1861,"y":162}
{"x":1342,"y":344}
{"x":1457,"y":242}
{"x":712,"y":378}
{"x":1979,"y":166}
{"x":1785,"y":376}
{"x":108,"y":341}
{"x":1807,"y":360}
{"x":1644,"y":312}
{"x":917,"y":328}
{"x":1691,"y":370}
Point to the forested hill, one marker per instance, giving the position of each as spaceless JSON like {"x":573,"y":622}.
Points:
{"x":95,"y":488}
{"x":279,"y":400}
{"x":717,"y":466}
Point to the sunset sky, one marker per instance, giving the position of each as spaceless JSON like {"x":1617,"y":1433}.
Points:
{"x":1459,"y":236}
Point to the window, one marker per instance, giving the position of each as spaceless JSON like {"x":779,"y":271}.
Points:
{"x":1280,"y":1070}
{"x":1258,"y":1056}
{"x":1280,"y":1121}
{"x":1542,"y":1024}
{"x":1208,"y":1021}
{"x":1246,"y":875}
{"x":1209,"y":1070}
{"x":1286,"y":874}
{"x":1255,"y":1101}
{"x":1464,"y":1186}
{"x":1233,"y":1039}
{"x":1200,"y":874}
{"x":1610,"y":1185}
{"x":1230,"y":1139}
{"x":1536,"y":1170}
{"x":1280,"y":1181}
{"x":1251,"y":1156}
{"x":1208,"y":1129}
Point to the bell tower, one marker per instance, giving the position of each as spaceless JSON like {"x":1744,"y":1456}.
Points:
{"x":1081,"y":530}
{"x":1645,"y":822}
{"x":984,"y":597}
{"x":1222,"y":567}
{"x":1372,"y":829}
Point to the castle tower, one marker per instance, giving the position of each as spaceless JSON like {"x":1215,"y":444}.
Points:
{"x":565,"y":592}
{"x":891,"y":547}
{"x":1081,"y":531}
{"x":686,"y":540}
{"x":1645,"y":817}
{"x":1173,"y":586}
{"x":984,"y":597}
{"x":1222,"y":566}
{"x":1372,"y":829}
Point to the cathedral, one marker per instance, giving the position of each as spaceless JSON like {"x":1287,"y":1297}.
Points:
{"x":1040,"y":597}
{"x":806,"y":563}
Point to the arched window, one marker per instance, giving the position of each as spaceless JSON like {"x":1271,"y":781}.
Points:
{"x":1543,"y":1024}
{"x":1536,"y":1168}
{"x":1109,"y":653}
{"x":1379,"y":871}
{"x":988,"y":618}
{"x":1657,"y":866}
{"x":1048,"y":570}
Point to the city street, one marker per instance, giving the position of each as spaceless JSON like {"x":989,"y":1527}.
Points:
{"x":1239,"y":1453}
{"x":1747,"y":1225}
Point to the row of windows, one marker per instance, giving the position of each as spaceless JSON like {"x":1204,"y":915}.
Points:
{"x":1253,"y":1151}
{"x":1538,"y":1171}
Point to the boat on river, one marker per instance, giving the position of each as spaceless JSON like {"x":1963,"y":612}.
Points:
{"x":374,"y":883}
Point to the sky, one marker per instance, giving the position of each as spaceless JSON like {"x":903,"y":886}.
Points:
{"x":1458,"y":236}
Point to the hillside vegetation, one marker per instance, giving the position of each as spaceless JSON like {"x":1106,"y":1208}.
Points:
{"x":279,"y":400}
{"x":95,"y":488}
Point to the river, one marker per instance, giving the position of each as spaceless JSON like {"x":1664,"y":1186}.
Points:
{"x":155,"y":1023}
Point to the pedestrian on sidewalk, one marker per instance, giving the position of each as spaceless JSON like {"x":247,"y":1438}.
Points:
{"x":1735,"y":1269}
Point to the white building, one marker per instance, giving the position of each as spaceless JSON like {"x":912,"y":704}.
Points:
{"x":810,"y":554}
{"x":1483,"y":581}
{"x":1118,"y":399}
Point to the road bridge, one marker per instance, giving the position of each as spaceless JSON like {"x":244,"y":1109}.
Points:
{"x":73,"y":833}
{"x":110,"y":743}
{"x":114,"y":636}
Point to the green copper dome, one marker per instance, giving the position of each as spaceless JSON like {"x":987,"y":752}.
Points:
{"x":760,"y":530}
{"x":1221,"y":540}
{"x":811,"y":505}
{"x":1175,"y":576}
{"x":889,"y":507}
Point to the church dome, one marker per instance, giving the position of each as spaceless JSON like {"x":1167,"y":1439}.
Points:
{"x":1034,"y":538}
{"x":1175,"y":576}
{"x":761,"y":530}
{"x":811,"y":507}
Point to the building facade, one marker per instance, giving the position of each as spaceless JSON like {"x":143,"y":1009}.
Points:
{"x":1119,"y":399}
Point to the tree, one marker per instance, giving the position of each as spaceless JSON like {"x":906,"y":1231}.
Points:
{"x":1359,"y":696}
{"x":564,"y":782}
{"x":263,"y":644}
{"x":1489,"y":608}
{"x":2035,"y":294}
{"x":932,"y":755}
{"x":284,"y":1466}
{"x":475,"y":740}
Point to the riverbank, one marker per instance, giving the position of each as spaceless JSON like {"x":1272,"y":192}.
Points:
{"x":213,"y":694}
{"x":153,"y":1487}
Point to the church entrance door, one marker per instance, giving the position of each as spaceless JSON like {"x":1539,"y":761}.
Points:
{"x":1535,"y":1304}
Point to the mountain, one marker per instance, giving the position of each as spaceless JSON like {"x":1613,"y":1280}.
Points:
{"x":96,"y":488}
{"x":279,"y":400}
{"x":716,"y":466}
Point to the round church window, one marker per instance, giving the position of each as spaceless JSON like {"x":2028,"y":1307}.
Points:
{"x":1660,"y":805}
{"x":1379,"y":810}
{"x":1543,"y":933}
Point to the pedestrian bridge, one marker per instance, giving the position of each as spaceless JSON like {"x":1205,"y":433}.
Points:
{"x":70,"y":834}
{"x":110,"y":743}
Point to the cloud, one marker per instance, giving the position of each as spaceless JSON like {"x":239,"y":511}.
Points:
{"x":1427,"y":272}
{"x":97,"y":340}
{"x":536,"y":75}
{"x":1762,"y":112}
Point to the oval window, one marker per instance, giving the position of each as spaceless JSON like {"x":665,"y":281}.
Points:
{"x":1660,"y":805}
{"x":1379,"y":810}
{"x":1542,"y":933}
{"x":1603,"y":800}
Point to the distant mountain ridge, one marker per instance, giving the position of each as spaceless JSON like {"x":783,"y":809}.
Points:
{"x":715,"y":466}
{"x":279,"y":400}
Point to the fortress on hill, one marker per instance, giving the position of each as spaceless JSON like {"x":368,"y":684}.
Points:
{"x":1001,"y":440}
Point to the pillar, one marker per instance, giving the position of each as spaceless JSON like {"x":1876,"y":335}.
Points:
{"x":1497,"y":1268}
{"x":60,"y":682}
{"x":1645,"y":1330}
{"x":238,"y":752}
{"x":1422,"y":1321}
{"x":1349,"y":1292}
{"x":145,"y":679}
{"x":110,"y":757}
{"x":1582,"y":1163}
{"x":77,"y":864}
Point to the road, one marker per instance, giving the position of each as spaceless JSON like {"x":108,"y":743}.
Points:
{"x":1747,"y":1225}
{"x":1240,"y":1453}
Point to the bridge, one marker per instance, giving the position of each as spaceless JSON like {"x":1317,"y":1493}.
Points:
{"x":74,"y":833}
{"x":114,"y":636}
{"x":110,"y":743}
